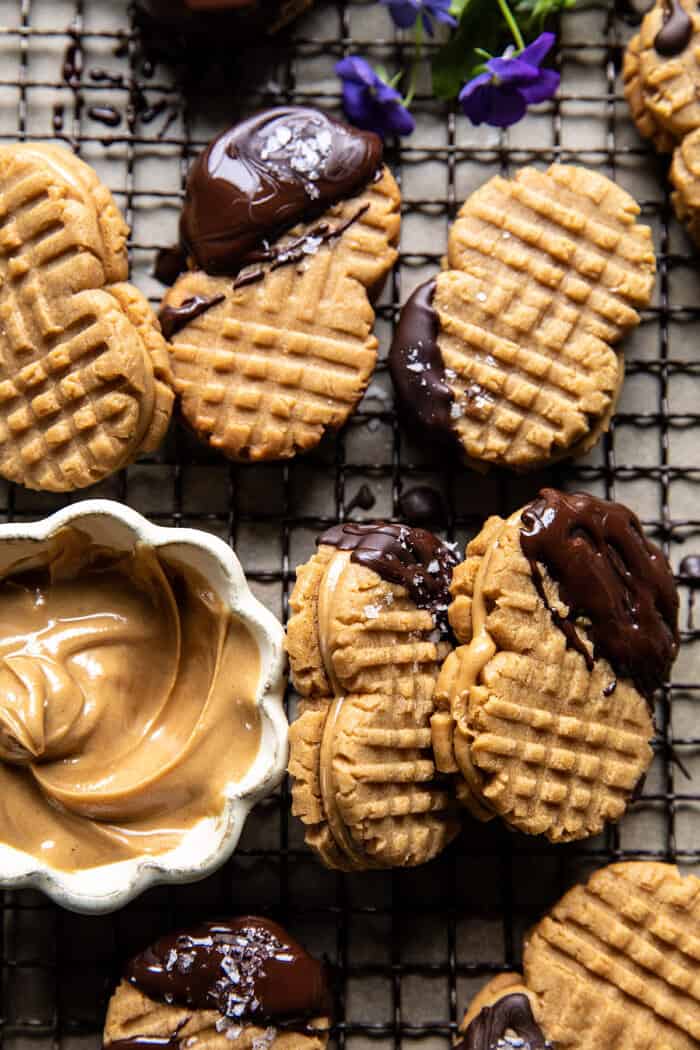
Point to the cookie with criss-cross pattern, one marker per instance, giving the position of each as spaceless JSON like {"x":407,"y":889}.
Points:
{"x":568,"y":621}
{"x":509,"y":354}
{"x":616,"y":962}
{"x":84,"y":373}
{"x":366,"y":638}
{"x":290,"y":224}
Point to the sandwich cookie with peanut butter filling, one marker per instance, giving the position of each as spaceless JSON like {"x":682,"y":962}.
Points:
{"x":509,"y":354}
{"x":290,"y":227}
{"x":85,"y":383}
{"x":568,"y":619}
{"x":366,"y":640}
{"x":244,"y":983}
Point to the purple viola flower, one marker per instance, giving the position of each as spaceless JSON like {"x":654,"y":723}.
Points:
{"x":371,"y":103}
{"x":405,"y":13}
{"x":500,"y":96}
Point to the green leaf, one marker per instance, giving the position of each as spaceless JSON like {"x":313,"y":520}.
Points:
{"x":459,"y":61}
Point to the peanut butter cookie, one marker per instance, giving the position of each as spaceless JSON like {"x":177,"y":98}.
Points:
{"x":365,"y":641}
{"x":244,"y":983}
{"x":568,"y":619}
{"x":501,"y":1018}
{"x":616,"y":962}
{"x":509,"y":352}
{"x":291,"y":222}
{"x":685,"y":176}
{"x":662,"y":73}
{"x":84,"y":372}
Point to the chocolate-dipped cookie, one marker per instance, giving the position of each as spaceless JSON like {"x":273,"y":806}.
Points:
{"x":509,"y":354}
{"x":568,"y":619}
{"x":501,"y":1018}
{"x":244,"y":982}
{"x":289,"y":225}
{"x":662,"y":73}
{"x":366,"y":638}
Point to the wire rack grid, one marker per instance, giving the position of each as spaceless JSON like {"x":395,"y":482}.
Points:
{"x":409,"y":947}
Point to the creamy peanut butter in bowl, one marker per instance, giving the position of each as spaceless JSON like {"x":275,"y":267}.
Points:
{"x":141,"y":713}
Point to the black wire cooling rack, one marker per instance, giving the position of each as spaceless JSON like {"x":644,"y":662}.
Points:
{"x":409,"y":948}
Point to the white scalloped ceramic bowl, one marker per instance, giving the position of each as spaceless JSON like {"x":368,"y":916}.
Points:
{"x":211,"y":841}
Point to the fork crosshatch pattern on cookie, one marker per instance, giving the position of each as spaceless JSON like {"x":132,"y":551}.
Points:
{"x":410,"y":949}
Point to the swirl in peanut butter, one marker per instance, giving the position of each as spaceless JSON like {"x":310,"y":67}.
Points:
{"x":127,"y":703}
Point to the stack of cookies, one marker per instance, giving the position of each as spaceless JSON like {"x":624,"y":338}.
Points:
{"x":85,"y":381}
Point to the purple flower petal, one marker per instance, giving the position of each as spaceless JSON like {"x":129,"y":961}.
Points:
{"x":369,"y":102}
{"x":398,"y":120}
{"x":507,"y":107}
{"x":535,"y":52}
{"x":403,"y":12}
{"x":444,"y":16}
{"x":475,"y":98}
{"x":513,"y":70}
{"x":546,"y":87}
{"x":472,"y":86}
{"x":427,"y":24}
{"x":499,"y":105}
{"x":355,"y":102}
{"x":357,"y":70}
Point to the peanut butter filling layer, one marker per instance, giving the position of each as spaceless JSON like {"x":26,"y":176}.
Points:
{"x":127,"y":703}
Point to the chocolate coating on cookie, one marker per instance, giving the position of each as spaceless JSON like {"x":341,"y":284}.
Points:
{"x":413,"y":558}
{"x":417,"y":368}
{"x":247,"y":969}
{"x":174,"y":318}
{"x":611,"y":576}
{"x":263,"y":176}
{"x":511,"y":1013}
{"x":676,"y":32}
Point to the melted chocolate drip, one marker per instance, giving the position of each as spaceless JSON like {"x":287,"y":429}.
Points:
{"x":422,"y":506}
{"x":295,"y":251}
{"x":417,"y":368}
{"x":174,"y":318}
{"x":248,"y":969}
{"x":364,"y":499}
{"x":511,"y":1013}
{"x":610,"y":575}
{"x":676,"y":32}
{"x":413,"y":558}
{"x":690,"y":568}
{"x":170,"y":263}
{"x":265,"y":175}
{"x":106,"y":115}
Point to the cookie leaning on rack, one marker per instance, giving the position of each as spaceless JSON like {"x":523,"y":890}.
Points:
{"x":290,"y":228}
{"x":366,"y":638}
{"x":84,"y":371}
{"x":509,"y":354}
{"x":568,"y":619}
